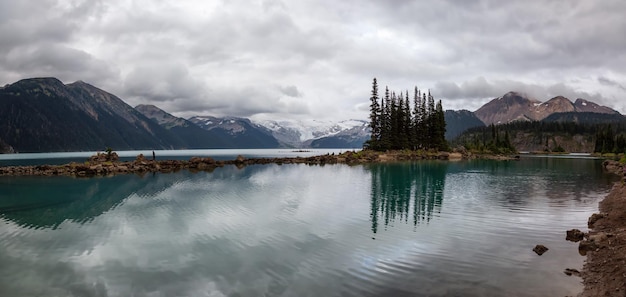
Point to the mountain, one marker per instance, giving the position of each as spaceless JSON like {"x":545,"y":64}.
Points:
{"x":241,"y":132}
{"x":458,"y":121}
{"x":584,"y":117}
{"x":161,"y":117}
{"x":582,"y":105}
{"x":351,"y":137}
{"x":44,"y":115}
{"x":188,"y":133}
{"x":515,"y":106}
{"x":319,"y":134}
{"x":510,"y":107}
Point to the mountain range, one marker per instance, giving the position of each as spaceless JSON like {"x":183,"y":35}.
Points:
{"x":45,"y":115}
{"x":515,"y":106}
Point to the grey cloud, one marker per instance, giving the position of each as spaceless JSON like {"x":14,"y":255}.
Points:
{"x":291,"y":91}
{"x":478,"y":91}
{"x":609,"y":82}
{"x":59,"y":61}
{"x":162,"y":82}
{"x":223,"y":51}
{"x":239,"y":101}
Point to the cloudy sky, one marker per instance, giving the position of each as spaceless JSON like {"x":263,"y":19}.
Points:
{"x":273,"y":59}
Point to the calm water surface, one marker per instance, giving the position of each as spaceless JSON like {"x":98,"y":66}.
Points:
{"x":412,"y":229}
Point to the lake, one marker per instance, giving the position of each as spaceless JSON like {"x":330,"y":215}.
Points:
{"x":430,"y":228}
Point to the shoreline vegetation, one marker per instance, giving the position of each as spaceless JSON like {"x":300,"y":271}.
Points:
{"x":104,"y":164}
{"x":604,"y":272}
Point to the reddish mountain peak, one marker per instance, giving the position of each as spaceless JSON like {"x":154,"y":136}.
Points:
{"x":517,"y":106}
{"x":559,"y":99}
{"x":582,"y":105}
{"x":512,"y":105}
{"x":554,"y":105}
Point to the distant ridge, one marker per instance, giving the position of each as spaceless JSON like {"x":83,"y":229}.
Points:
{"x":44,"y":115}
{"x":514,"y":106}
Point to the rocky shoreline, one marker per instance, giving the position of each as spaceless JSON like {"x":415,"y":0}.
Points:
{"x":103,"y":164}
{"x":604,"y":272}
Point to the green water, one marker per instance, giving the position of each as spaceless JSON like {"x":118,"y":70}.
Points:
{"x":412,"y":229}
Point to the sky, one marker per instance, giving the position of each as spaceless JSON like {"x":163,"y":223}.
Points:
{"x":274,"y":59}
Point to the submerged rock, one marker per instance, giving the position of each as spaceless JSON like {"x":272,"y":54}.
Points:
{"x":571,"y":271}
{"x":540,"y":249}
{"x":574,"y":235}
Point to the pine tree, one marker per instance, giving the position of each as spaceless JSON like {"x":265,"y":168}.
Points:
{"x":395,"y":124}
{"x":417,"y":119}
{"x":431,"y":123}
{"x":395,"y":137}
{"x":375,"y":117}
{"x":440,"y":128}
{"x":386,"y":122}
{"x":408,"y":131}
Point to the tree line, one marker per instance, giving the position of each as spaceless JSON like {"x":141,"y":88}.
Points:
{"x":609,"y":141}
{"x":397,"y":124}
{"x":607,"y":137}
{"x":489,"y":139}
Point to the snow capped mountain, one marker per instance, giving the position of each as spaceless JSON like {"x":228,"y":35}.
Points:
{"x":301,"y":133}
{"x":161,"y":117}
{"x":241,"y":131}
{"x":232,"y":124}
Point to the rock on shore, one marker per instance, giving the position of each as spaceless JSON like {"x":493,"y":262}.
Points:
{"x":604,"y":273}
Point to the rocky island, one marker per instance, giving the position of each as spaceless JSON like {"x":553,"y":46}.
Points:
{"x":103,"y":164}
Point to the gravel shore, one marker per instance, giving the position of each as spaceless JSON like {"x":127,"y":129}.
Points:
{"x":604,"y":272}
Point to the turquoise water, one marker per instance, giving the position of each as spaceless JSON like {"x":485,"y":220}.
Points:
{"x":411,"y":229}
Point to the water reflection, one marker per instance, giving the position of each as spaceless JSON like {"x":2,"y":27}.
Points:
{"x":298,"y":230}
{"x":46,"y":202}
{"x":406,"y":190}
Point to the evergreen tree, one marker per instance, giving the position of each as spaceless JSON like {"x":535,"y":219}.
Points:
{"x":439,"y":128}
{"x":375,"y":117}
{"x":408,"y":131}
{"x":395,"y":124}
{"x":385,"y":141}
{"x":417,"y":120}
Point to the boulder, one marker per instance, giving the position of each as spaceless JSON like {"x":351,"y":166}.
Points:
{"x":594,"y":218}
{"x":540,"y":249}
{"x":574,"y":235}
{"x":586,"y":246}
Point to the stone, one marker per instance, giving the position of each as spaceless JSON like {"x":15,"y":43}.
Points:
{"x":540,"y":249}
{"x":594,"y":218}
{"x":586,"y":246}
{"x":574,"y":235}
{"x":571,"y":271}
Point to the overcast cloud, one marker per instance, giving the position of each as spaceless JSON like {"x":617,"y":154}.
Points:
{"x":316,"y":59}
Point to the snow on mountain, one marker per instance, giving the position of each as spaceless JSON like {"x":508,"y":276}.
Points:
{"x":294,"y":133}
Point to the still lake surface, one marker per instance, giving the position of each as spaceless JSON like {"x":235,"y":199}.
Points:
{"x":428,"y":228}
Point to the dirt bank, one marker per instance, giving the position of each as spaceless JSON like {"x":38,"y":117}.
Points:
{"x":604,"y":272}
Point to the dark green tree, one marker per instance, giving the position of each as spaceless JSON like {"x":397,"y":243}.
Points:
{"x":395,"y":124}
{"x":375,"y":117}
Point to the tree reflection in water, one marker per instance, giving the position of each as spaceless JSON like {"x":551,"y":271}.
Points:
{"x":406,"y":190}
